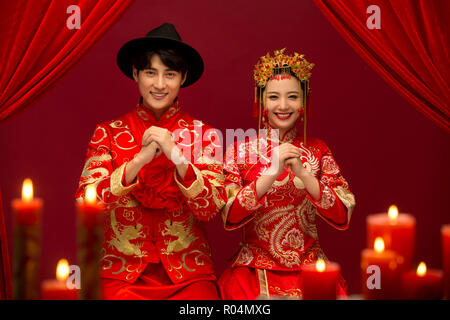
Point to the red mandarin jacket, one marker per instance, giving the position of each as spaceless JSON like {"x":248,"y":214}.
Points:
{"x":279,"y":230}
{"x":158,"y":218}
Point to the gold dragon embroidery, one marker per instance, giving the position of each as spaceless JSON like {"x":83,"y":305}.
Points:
{"x":122,"y":236}
{"x":183,"y":233}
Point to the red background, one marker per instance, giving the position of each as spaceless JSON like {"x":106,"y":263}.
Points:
{"x":387,"y":150}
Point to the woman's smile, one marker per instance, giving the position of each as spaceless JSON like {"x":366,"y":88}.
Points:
{"x":283,"y":115}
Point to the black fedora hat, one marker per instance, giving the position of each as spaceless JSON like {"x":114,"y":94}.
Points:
{"x":162,"y":37}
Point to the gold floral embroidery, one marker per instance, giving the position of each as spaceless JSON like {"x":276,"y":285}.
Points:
{"x":347,"y":198}
{"x":273,"y":228}
{"x":263,"y":262}
{"x":327,"y":198}
{"x":245,"y":256}
{"x":128,"y":214}
{"x":197,"y":186}
{"x":306,"y":215}
{"x":329,"y":166}
{"x":117,"y":188}
{"x":247,"y":198}
{"x":293,"y":293}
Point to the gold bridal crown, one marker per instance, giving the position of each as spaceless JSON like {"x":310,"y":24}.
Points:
{"x":268,"y":66}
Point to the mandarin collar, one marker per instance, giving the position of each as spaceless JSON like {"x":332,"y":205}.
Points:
{"x":288,"y":136}
{"x":148,"y":115}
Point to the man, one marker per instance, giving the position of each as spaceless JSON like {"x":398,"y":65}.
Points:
{"x":155,"y":169}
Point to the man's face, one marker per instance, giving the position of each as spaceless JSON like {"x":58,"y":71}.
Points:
{"x":158,"y":85}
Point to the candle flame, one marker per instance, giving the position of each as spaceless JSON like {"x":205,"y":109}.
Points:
{"x":320,"y":265}
{"x":91,"y":194}
{"x":62,"y":270}
{"x":421,"y":269}
{"x":379,"y":244}
{"x":27,"y":190}
{"x":393,"y":212}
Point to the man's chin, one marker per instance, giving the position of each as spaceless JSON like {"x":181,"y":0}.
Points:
{"x":157,"y":105}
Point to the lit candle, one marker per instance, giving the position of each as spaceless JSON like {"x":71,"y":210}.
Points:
{"x":90,"y":241}
{"x":398,"y":231}
{"x":381,"y":281}
{"x":445,"y":234}
{"x":27,"y":243}
{"x":28,"y":209}
{"x":90,"y":211}
{"x":56,"y":289}
{"x":319,"y":280}
{"x":422,"y":284}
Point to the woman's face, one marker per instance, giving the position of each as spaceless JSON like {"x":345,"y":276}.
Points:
{"x":158,"y":85}
{"x":283,"y":99}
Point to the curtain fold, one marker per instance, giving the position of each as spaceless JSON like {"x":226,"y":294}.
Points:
{"x":37,"y":48}
{"x":409,"y":51}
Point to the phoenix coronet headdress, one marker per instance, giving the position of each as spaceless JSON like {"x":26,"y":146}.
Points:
{"x":268,"y":66}
{"x":281,"y":64}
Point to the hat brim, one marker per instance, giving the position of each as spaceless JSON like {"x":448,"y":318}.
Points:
{"x":133,"y":47}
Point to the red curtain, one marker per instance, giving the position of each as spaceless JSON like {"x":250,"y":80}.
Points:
{"x":409,"y":50}
{"x":40,"y":41}
{"x":37,"y":47}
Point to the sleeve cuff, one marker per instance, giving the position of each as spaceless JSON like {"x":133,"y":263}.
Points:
{"x":195,"y":187}
{"x":248,"y":198}
{"x":326,"y":199}
{"x":189,"y":177}
{"x":117,"y":179}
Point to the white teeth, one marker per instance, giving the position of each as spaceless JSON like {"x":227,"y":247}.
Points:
{"x":159,"y":94}
{"x":283,"y":115}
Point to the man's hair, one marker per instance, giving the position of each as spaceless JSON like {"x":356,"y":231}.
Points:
{"x":171,"y":58}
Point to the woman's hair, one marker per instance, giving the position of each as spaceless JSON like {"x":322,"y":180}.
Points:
{"x":169,"y":57}
{"x":285,"y":71}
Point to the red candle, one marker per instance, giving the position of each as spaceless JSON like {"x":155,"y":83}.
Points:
{"x":397,"y":230}
{"x":319,"y":280}
{"x":380,"y":272}
{"x":90,"y":240}
{"x":90,"y":212}
{"x":422,"y":284}
{"x":28,"y":209}
{"x":56,"y":289}
{"x":27,"y":243}
{"x":445,"y":234}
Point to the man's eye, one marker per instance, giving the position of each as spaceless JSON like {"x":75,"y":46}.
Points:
{"x":171,"y":75}
{"x":293,"y":97}
{"x":273,"y":97}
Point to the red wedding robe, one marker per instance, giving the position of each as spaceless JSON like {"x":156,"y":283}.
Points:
{"x":279,"y":230}
{"x":155,"y":246}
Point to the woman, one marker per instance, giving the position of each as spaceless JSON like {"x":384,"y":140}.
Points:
{"x":154,"y":170}
{"x":276,"y":198}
